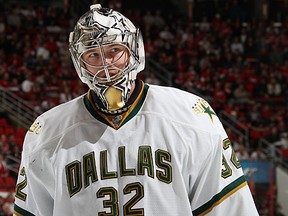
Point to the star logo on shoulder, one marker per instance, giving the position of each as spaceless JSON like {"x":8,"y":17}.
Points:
{"x":202,"y":107}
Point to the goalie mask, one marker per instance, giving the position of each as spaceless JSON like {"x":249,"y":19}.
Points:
{"x":107,"y":51}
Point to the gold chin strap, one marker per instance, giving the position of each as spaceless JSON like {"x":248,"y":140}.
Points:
{"x":114,"y":98}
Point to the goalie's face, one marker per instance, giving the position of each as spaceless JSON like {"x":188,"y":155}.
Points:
{"x":106,"y":63}
{"x":107,"y":51}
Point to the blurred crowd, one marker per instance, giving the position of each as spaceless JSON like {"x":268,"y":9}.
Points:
{"x":6,"y":204}
{"x":239,"y":65}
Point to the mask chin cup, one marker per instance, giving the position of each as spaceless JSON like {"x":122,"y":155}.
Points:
{"x":114,"y":98}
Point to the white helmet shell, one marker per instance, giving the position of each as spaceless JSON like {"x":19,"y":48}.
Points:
{"x":100,"y":27}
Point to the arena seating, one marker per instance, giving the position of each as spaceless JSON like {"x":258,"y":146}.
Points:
{"x":201,"y":56}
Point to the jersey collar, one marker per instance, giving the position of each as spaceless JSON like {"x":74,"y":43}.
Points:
{"x":118,"y":120}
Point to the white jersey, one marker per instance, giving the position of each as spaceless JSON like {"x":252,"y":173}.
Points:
{"x":167,"y":155}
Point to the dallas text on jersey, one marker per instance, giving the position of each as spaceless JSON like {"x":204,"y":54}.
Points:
{"x":86,"y":171}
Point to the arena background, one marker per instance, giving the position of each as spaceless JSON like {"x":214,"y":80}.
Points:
{"x":233,"y":53}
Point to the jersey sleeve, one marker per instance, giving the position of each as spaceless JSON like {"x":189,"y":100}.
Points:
{"x":34,"y":188}
{"x":221,"y":188}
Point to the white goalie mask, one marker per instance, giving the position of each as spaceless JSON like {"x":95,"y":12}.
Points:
{"x":107,"y":51}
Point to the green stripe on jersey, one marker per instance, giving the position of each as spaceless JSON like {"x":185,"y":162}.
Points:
{"x":92,"y":112}
{"x":133,"y":113}
{"x":21,"y":212}
{"x":218,"y":198}
{"x":138,"y":106}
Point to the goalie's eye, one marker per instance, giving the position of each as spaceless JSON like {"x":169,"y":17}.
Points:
{"x":108,"y":54}
{"x":114,"y":51}
{"x":93,"y":55}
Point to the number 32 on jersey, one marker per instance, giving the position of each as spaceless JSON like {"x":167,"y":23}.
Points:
{"x":227,"y":171}
{"x":112,"y":201}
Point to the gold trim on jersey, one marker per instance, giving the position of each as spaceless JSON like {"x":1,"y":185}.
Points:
{"x":18,"y":211}
{"x":223,"y":198}
{"x":220,"y":197}
{"x":117,"y":120}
